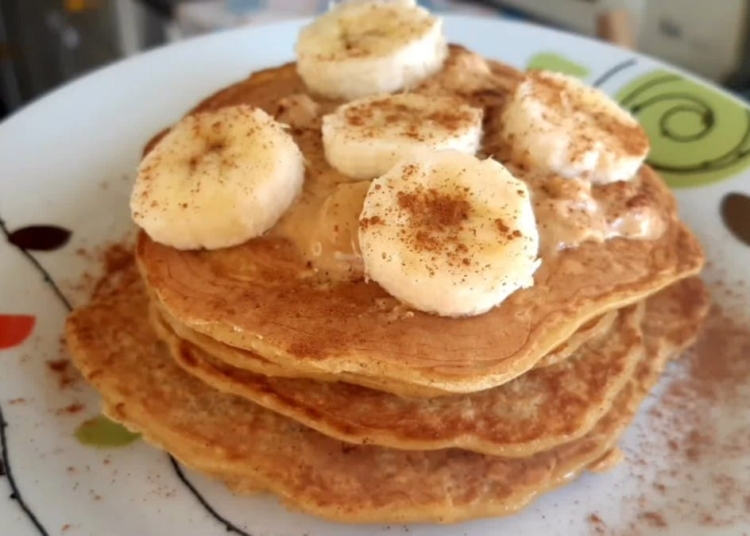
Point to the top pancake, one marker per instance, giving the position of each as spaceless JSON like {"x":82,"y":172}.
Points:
{"x":261,"y":296}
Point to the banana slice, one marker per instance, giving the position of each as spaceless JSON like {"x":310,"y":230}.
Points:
{"x":449,"y":234}
{"x":362,"y":48}
{"x":365,"y":138}
{"x":556,"y":123}
{"x":217,"y":179}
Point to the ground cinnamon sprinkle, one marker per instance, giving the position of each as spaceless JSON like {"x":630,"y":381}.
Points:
{"x":654,"y":519}
{"x":71,"y":409}
{"x":410,"y":117}
{"x":107,"y":259}
{"x":705,"y":478}
{"x":434,"y":209}
{"x":505,"y":231}
{"x":116,"y":257}
{"x":436,"y":221}
{"x":111,"y":260}
{"x":598,"y":527}
{"x":58,"y":365}
{"x":367,"y":222}
{"x":66,"y":374}
{"x":114,"y":261}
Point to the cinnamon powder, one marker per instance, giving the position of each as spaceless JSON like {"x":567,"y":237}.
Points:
{"x":598,"y":527}
{"x":66,"y":374}
{"x":108,"y":259}
{"x":112,"y":261}
{"x":434,"y":209}
{"x":437,"y":220}
{"x":705,"y":478}
{"x":654,"y":519}
{"x":71,"y":409}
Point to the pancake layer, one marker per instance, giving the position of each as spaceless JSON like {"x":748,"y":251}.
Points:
{"x":535,"y":412}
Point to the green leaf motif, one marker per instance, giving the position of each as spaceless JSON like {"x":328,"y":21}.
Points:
{"x":549,"y":61}
{"x":104,"y":433}
{"x":698,"y":134}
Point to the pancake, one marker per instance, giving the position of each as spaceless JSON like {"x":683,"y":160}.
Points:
{"x":254,"y":448}
{"x":264,"y":296}
{"x":535,"y":412}
{"x":254,"y":363}
{"x":590,"y":330}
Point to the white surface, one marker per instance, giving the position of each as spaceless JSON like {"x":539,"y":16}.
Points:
{"x":54,"y":156}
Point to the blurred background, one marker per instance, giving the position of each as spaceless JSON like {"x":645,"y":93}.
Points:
{"x":44,"y":43}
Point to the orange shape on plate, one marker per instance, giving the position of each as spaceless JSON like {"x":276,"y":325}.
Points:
{"x":14,"y":329}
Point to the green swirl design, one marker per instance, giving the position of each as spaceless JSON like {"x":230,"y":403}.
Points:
{"x":550,"y":61}
{"x":698,"y":135}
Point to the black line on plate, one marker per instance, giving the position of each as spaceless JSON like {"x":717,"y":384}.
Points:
{"x":228,"y":525}
{"x":37,"y":265}
{"x":15,"y":494}
{"x":635,"y":93}
{"x":613,"y":71}
{"x":231,"y":527}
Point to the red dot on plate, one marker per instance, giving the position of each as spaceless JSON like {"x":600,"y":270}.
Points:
{"x":14,"y":329}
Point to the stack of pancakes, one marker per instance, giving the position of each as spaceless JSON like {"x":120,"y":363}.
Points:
{"x":247,"y":365}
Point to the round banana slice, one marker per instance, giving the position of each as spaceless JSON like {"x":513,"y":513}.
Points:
{"x":556,"y":123}
{"x":449,"y":234}
{"x":217,"y":179}
{"x":362,"y":48}
{"x":365,"y":138}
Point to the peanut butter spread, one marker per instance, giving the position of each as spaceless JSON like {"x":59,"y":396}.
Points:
{"x":323,"y":222}
{"x":571,"y":211}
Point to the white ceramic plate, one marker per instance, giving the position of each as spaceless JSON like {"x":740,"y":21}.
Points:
{"x":67,"y":160}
